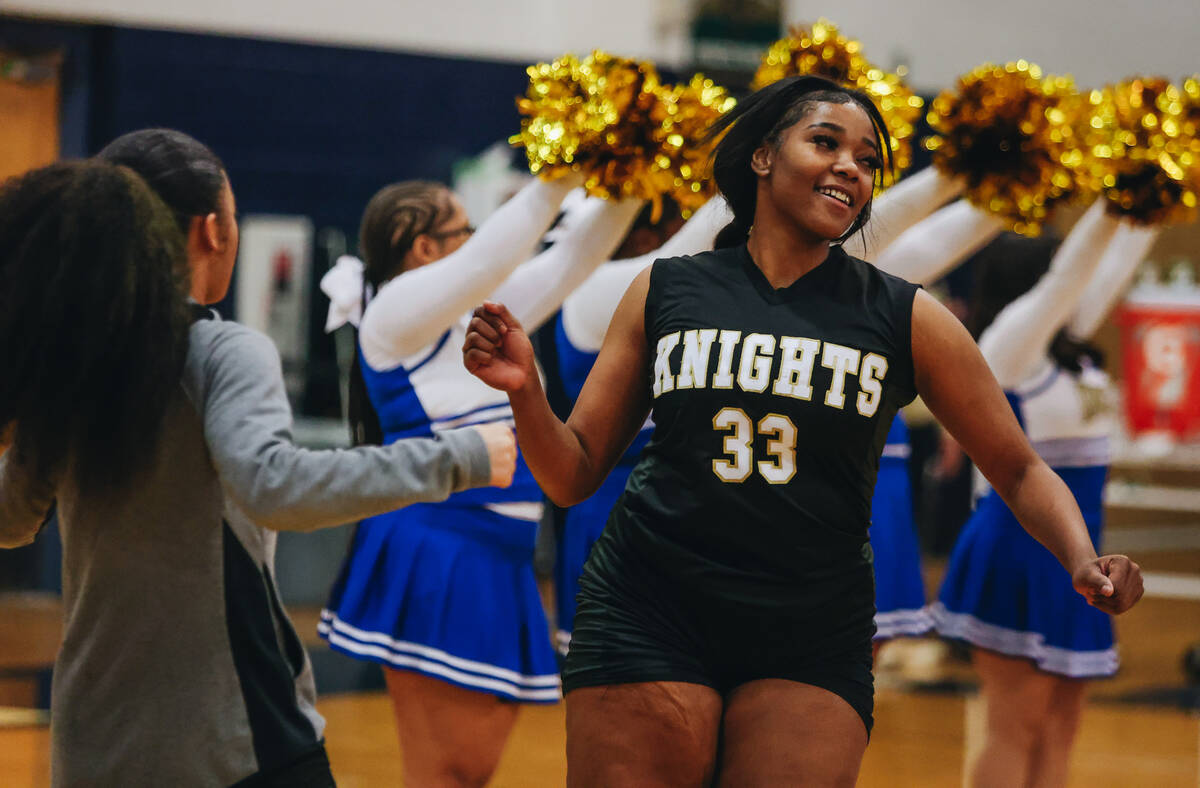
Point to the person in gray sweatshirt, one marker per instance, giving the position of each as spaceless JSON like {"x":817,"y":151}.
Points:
{"x":164,"y":436}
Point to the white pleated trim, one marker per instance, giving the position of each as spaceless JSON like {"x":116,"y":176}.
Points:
{"x":896,"y":623}
{"x":437,"y":662}
{"x":1031,"y":645}
{"x":501,"y":411}
{"x":1080,"y":452}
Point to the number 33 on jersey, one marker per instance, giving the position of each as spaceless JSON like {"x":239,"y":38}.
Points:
{"x":797,"y":357}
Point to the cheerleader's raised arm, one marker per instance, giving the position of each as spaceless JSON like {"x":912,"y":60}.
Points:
{"x":1019,"y":338}
{"x":413,"y":309}
{"x":902,"y":207}
{"x":589,"y":309}
{"x":536,"y":290}
{"x":1124,"y":254}
{"x":932,"y":248}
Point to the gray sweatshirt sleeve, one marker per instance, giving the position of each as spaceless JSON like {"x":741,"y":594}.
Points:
{"x":248,"y":427}
{"x":24,"y":503}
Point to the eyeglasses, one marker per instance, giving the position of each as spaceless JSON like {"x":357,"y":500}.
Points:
{"x":443,"y":235}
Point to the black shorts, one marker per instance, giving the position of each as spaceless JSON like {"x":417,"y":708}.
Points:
{"x":308,"y":770}
{"x":635,"y":630}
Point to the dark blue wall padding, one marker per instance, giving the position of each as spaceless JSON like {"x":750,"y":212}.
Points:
{"x":303,"y":129}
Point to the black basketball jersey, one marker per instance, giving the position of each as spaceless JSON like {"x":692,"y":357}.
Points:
{"x":771,"y":409}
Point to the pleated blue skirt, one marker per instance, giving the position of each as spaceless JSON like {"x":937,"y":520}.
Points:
{"x":1005,"y":592}
{"x":899,"y":588}
{"x":448,"y":592}
{"x":582,"y":527}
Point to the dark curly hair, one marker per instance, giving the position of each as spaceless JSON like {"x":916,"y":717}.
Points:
{"x":763,"y":117}
{"x":93,"y":320}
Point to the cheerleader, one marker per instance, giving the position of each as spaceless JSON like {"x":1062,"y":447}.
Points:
{"x":444,"y":596}
{"x":1036,"y":641}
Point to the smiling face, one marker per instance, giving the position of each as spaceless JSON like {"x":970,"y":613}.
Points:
{"x":821,"y":172}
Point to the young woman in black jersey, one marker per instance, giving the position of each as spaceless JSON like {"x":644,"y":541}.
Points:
{"x":725,"y":616}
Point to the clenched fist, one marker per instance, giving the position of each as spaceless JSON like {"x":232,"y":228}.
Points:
{"x":497,"y":350}
{"x":1112,"y":583}
{"x":502,"y":452}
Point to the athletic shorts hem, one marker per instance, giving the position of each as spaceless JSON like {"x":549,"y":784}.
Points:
{"x":309,"y":769}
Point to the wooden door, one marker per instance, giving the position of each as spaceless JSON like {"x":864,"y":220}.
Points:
{"x":29,"y":112}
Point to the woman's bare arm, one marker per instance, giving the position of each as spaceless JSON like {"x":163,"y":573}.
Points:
{"x":569,"y":460}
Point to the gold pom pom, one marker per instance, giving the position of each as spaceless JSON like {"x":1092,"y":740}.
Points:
{"x":1010,"y":133}
{"x":1145,"y":153}
{"x":612,"y":120}
{"x":588,"y":116}
{"x":824,"y":52}
{"x":682,"y":115}
{"x":1191,"y":111}
{"x":820,"y":51}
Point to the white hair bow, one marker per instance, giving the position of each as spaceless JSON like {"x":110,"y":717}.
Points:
{"x":343,"y":284}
